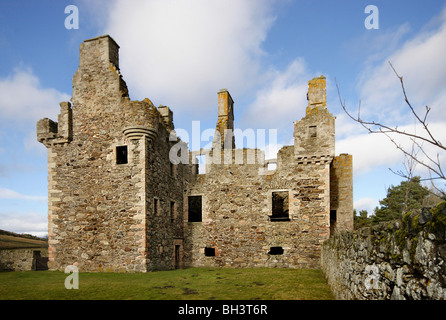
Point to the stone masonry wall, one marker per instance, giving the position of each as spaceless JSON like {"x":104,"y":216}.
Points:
{"x":19,"y":259}
{"x":237,"y":209}
{"x":96,"y":206}
{"x":403,"y":259}
{"x":238,"y":224}
{"x":341,"y":193}
{"x":101,"y":214}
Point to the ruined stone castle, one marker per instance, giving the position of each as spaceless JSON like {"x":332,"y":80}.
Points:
{"x":116,"y":201}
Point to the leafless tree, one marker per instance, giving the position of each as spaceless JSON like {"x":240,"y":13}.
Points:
{"x":429,"y":161}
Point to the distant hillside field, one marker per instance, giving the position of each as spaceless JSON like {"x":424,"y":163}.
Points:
{"x":11,"y":240}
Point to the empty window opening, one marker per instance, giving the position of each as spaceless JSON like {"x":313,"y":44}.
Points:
{"x":332,"y":216}
{"x":172,"y":211}
{"x":172,"y":169}
{"x":201,"y":161}
{"x":280,"y":210}
{"x":272,"y":166}
{"x":177,"y":256}
{"x":194,"y":208}
{"x":332,"y":221}
{"x":313,"y":132}
{"x":155,"y":206}
{"x":121,"y":155}
{"x":209,"y":252}
{"x":275,"y":251}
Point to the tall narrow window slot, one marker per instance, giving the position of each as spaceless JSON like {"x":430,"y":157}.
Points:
{"x":172,"y":211}
{"x":177,"y":256}
{"x":332,"y":221}
{"x":194,"y":208}
{"x":333,"y":216}
{"x":155,"y":206}
{"x":121,"y":155}
{"x":280,"y":210}
{"x":201,"y":160}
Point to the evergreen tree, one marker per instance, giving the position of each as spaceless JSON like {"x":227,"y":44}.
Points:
{"x":361,"y":220}
{"x":407,"y":196}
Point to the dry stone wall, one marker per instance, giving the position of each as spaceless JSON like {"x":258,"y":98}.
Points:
{"x":403,"y":259}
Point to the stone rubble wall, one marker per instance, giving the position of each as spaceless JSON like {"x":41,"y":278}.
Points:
{"x":237,"y":205}
{"x":19,"y":259}
{"x":399,"y":260}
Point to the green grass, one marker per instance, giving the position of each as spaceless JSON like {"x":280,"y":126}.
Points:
{"x":16,"y":242}
{"x":188,"y":284}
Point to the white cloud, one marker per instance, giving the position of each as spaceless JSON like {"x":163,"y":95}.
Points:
{"x":368,"y":204}
{"x":373,"y":150}
{"x":346,"y":127}
{"x":281,"y":100}
{"x":24,"y":99}
{"x":11,"y":194}
{"x":421,"y":62}
{"x":369,"y":151}
{"x":180,"y":53}
{"x":31,"y":223}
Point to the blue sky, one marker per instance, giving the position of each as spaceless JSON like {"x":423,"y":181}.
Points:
{"x":180,"y":53}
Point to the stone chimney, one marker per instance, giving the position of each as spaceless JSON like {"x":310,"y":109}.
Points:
{"x":224,"y":132}
{"x":314,"y":135}
{"x":99,"y":51}
{"x":316,"y":96}
{"x":98,"y":78}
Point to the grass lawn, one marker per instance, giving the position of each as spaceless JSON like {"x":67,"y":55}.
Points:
{"x":13,"y":242}
{"x":188,"y":284}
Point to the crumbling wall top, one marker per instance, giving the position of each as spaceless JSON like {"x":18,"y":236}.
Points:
{"x":316,"y":95}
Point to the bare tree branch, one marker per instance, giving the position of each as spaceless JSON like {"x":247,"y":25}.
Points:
{"x":383,"y":128}
{"x":433,"y":164}
{"x":423,"y":122}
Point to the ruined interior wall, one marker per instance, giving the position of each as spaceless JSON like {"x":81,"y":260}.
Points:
{"x":341,"y":192}
{"x":237,"y":203}
{"x":165,"y":183}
